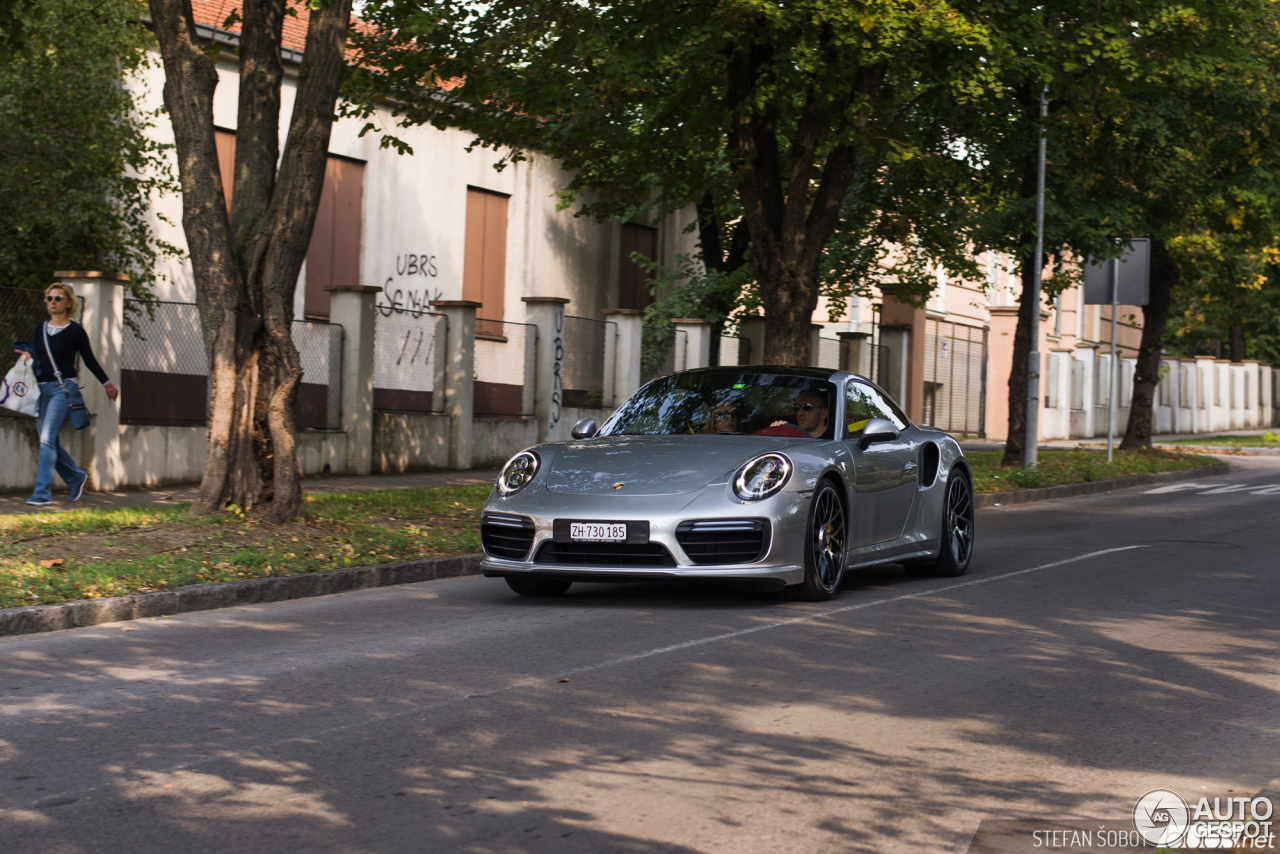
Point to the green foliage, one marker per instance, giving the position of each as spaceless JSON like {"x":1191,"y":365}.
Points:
{"x":640,"y":103}
{"x":78,"y":168}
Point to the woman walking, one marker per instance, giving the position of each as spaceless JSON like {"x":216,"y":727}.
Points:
{"x":58,"y":341}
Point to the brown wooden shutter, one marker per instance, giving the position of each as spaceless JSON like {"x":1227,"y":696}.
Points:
{"x":225,"y":143}
{"x":633,"y":281}
{"x":484,"y":265}
{"x":333,"y":258}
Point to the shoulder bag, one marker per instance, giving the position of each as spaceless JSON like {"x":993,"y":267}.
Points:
{"x":79,"y":412}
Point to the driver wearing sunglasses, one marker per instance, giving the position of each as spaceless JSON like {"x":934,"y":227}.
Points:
{"x":811,"y":415}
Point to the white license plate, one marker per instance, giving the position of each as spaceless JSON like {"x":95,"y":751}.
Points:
{"x":593,"y":532}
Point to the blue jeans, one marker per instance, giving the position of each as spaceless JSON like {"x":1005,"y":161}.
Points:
{"x":54,"y":412}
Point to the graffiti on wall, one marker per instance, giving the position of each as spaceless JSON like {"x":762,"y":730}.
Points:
{"x":413,"y":295}
{"x":557,"y":359}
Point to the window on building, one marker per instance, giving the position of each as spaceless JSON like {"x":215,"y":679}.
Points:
{"x":633,"y":281}
{"x":334,"y":255}
{"x":484,"y":266}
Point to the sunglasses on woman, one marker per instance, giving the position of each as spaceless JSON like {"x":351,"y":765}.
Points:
{"x":54,"y":299}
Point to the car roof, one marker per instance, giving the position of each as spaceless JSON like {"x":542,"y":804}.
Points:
{"x":779,"y":370}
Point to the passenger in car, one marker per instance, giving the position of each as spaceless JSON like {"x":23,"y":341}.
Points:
{"x":724,"y":418}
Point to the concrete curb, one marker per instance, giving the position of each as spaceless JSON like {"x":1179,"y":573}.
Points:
{"x":1069,"y":490}
{"x":1226,"y":450}
{"x":225,"y":594}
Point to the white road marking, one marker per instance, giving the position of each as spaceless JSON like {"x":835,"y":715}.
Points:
{"x":1217,"y":488}
{"x":1178,"y":487}
{"x":312,"y":737}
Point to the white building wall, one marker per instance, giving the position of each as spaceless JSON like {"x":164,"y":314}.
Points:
{"x":415,"y":205}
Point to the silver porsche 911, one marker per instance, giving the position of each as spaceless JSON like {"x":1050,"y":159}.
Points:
{"x":768,"y":477}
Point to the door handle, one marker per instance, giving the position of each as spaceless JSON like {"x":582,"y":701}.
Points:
{"x":909,"y":468}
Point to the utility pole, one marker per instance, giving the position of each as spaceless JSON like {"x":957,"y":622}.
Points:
{"x":1115,"y":369}
{"x":1033,"y":361}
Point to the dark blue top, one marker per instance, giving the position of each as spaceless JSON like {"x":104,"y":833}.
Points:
{"x":66,"y":344}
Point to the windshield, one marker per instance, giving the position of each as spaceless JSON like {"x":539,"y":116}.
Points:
{"x":729,"y":402}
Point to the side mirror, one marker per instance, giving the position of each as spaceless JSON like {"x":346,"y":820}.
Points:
{"x":878,"y":430}
{"x":586,"y":428}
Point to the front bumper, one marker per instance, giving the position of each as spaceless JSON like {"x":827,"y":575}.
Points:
{"x":781,"y":564}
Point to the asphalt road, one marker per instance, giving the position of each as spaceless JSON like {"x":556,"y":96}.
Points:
{"x":1099,"y":647}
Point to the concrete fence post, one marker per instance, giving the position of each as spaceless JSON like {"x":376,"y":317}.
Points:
{"x":815,"y":343}
{"x":459,"y":378}
{"x":851,"y":345}
{"x":97,"y":448}
{"x":547,"y":313}
{"x":630,"y":340}
{"x":698,"y":347}
{"x":1252,"y":398}
{"x":353,"y":307}
{"x":1266,"y":402}
{"x":751,"y":330}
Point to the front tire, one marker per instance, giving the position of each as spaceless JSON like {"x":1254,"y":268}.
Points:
{"x":539,"y":586}
{"x":957,"y":532}
{"x":826,"y":536}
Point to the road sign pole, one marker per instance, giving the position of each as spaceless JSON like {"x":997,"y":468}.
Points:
{"x":1111,"y":398}
{"x":1037,"y":261}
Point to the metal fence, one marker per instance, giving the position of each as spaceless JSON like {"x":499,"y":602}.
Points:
{"x":408,"y":361}
{"x":828,"y":353}
{"x":955,"y":377}
{"x":662,"y":351}
{"x":164,"y":373}
{"x":588,"y":363}
{"x":505,"y":369}
{"x":733,"y":351}
{"x":20,"y":310}
{"x":319,"y":405}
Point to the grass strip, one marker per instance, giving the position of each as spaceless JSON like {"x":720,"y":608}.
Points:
{"x":1058,"y":466}
{"x":1269,"y":439}
{"x":88,"y":553}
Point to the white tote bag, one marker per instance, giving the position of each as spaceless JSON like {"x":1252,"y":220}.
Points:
{"x":19,"y":390}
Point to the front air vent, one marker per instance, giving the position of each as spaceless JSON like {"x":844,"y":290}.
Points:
{"x":723,"y":541}
{"x":506,"y":537}
{"x":605,"y":554}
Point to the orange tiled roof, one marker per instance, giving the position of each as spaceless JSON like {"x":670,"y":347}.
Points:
{"x":213,"y":13}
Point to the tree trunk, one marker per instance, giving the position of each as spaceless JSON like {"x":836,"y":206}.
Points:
{"x":246,"y":265}
{"x":1238,"y":351}
{"x":1015,"y":445}
{"x":714,"y":257}
{"x":1146,"y":374}
{"x":789,"y":219}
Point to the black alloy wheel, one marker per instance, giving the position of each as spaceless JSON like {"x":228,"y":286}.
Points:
{"x":825,"y":547}
{"x":957,"y":532}
{"x":538,"y":586}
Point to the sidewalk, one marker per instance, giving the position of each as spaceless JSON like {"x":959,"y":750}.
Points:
{"x":1077,"y":443}
{"x":16,"y":503}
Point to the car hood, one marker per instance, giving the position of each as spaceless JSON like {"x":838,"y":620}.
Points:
{"x":653,"y":465}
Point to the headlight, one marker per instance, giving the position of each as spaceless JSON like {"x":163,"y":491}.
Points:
{"x":517,"y":473}
{"x":762,"y":477}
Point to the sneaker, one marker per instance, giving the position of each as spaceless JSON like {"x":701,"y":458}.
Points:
{"x":38,"y":502}
{"x":77,"y":490}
